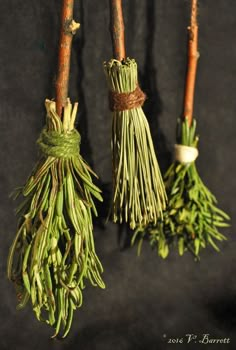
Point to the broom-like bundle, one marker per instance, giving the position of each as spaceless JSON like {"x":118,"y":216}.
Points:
{"x":138,"y":190}
{"x":53,"y":252}
{"x":192,"y":217}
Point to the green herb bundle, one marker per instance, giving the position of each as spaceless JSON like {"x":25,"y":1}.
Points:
{"x":139,"y":193}
{"x":192,"y":219}
{"x":53,"y":253}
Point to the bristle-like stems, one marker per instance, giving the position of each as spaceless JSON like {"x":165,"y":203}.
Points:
{"x":53,"y":253}
{"x":138,"y":191}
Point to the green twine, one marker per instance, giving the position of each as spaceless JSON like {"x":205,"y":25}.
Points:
{"x":59,"y":145}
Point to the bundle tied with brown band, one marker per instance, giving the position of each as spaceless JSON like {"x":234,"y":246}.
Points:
{"x":121,"y":101}
{"x":138,"y":190}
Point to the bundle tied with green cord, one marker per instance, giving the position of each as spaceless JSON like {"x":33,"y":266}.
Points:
{"x":53,"y":253}
{"x":192,"y":219}
{"x":138,"y":191}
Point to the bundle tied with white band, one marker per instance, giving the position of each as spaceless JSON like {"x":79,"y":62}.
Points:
{"x":192,"y":219}
{"x":185,"y":154}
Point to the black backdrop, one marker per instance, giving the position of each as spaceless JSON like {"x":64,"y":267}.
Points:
{"x":146,"y":298}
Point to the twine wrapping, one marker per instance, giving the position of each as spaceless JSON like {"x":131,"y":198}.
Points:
{"x":59,"y":145}
{"x":185,"y":154}
{"x":126,"y":100}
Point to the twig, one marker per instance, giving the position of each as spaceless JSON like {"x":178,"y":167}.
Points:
{"x":68,"y":28}
{"x":117,"y":29}
{"x":193,"y":56}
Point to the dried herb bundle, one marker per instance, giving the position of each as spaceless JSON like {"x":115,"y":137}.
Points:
{"x":53,"y":253}
{"x":192,"y":217}
{"x":138,"y":190}
{"x":139,"y":193}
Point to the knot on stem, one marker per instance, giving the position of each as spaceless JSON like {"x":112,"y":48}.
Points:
{"x":70,"y":26}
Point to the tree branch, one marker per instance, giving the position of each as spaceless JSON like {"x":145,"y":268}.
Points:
{"x":68,"y":28}
{"x":193,"y":56}
{"x":117,"y":29}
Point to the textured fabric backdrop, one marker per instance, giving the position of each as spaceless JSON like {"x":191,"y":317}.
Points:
{"x":146,"y":298}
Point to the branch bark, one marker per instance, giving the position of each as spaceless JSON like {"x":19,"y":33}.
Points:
{"x":193,"y":56}
{"x":117,"y":29}
{"x":68,"y":28}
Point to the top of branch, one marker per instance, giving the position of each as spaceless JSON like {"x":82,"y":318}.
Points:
{"x":194,"y":14}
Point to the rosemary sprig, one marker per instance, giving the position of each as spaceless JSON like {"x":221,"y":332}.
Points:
{"x":192,"y":220}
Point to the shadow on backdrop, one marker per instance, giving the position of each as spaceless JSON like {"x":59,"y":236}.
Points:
{"x":110,"y":335}
{"x":222,"y":311}
{"x":153,"y":105}
{"x":78,"y":46}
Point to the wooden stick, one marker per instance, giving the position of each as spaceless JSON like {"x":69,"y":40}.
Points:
{"x":68,"y":28}
{"x":117,"y":29}
{"x":193,"y":56}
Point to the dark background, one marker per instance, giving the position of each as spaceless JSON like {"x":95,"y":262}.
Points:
{"x":145,"y":297}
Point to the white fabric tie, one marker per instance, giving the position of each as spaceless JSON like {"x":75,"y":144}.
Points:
{"x":185,"y":154}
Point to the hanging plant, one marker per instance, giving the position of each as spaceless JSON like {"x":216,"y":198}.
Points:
{"x":138,"y":190}
{"x":53,"y":253}
{"x":192,"y":219}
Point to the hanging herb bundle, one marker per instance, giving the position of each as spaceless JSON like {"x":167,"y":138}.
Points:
{"x":138,"y":190}
{"x":53,"y":253}
{"x":192,"y":217}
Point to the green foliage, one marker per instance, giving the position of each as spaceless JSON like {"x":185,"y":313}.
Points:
{"x":192,"y":219}
{"x":53,"y":252}
{"x":138,"y":190}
